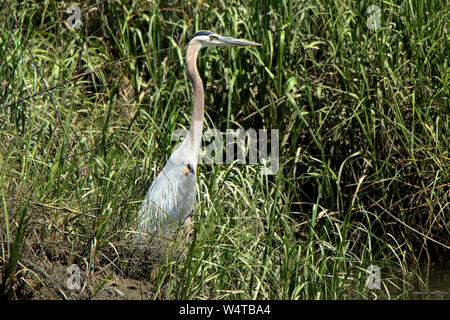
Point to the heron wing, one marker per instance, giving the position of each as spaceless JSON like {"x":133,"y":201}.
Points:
{"x":169,"y":201}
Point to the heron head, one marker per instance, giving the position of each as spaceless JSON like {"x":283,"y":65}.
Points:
{"x":211,"y":39}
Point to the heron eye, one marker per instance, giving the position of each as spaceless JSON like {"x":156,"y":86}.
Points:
{"x":211,"y":37}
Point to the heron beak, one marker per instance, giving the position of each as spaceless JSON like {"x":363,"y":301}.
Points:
{"x":226,"y":41}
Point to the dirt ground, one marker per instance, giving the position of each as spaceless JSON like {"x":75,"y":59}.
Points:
{"x":51,"y":272}
{"x":99,"y":285}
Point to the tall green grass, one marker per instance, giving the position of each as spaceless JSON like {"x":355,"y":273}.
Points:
{"x":364,"y":151}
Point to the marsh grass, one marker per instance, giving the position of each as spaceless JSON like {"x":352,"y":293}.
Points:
{"x":364,"y":151}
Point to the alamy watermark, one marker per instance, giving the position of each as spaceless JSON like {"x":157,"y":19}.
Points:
{"x":73,"y":281}
{"x":374,"y":20}
{"x":374,"y":279}
{"x":241,"y":147}
{"x":74,"y":21}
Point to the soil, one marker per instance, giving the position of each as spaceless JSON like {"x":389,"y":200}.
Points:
{"x":54,"y":272}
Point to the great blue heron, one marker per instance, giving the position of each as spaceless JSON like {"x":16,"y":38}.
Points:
{"x":170,"y":198}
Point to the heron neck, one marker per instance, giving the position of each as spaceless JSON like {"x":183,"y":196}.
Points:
{"x":195,"y":131}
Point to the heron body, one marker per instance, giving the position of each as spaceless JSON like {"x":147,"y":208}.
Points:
{"x":170,"y":198}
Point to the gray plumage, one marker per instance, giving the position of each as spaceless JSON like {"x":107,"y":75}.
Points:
{"x":170,"y":198}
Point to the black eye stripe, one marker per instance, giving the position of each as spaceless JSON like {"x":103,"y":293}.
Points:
{"x":202,"y":33}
